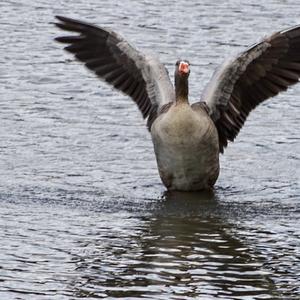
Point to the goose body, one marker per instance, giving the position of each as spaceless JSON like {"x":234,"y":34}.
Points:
{"x":188,"y":138}
{"x":186,"y":148}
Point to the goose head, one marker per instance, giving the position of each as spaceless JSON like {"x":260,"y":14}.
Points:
{"x":182,"y":72}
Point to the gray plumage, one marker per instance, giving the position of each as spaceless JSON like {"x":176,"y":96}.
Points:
{"x":114,"y":60}
{"x":241,"y":83}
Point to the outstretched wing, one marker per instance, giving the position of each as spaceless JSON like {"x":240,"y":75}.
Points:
{"x":114,"y":60}
{"x":240,"y":84}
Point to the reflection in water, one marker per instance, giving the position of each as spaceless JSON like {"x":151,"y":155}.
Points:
{"x":180,"y":250}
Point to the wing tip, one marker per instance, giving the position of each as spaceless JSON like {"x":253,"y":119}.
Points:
{"x":60,"y":18}
{"x":64,"y":19}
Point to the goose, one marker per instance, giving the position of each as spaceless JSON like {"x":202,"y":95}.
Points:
{"x":188,"y":138}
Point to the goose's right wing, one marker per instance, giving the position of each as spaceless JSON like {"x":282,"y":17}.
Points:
{"x":114,"y":60}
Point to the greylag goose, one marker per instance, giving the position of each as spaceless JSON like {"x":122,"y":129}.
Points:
{"x":188,"y":138}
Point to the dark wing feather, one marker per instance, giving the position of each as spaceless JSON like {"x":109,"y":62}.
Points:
{"x":114,"y":60}
{"x":261,"y":72}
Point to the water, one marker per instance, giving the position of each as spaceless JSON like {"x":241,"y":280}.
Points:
{"x":83,"y":212}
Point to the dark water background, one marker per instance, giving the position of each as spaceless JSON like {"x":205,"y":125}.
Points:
{"x":83,"y":213}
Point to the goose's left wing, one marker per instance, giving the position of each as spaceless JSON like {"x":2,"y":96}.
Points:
{"x":241,"y":83}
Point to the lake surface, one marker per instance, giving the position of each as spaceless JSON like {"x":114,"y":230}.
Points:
{"x":83,"y":212}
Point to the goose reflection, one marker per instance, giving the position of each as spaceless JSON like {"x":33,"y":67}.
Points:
{"x":182,"y":248}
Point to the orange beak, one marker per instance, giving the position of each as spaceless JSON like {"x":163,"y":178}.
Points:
{"x":183,"y":67}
